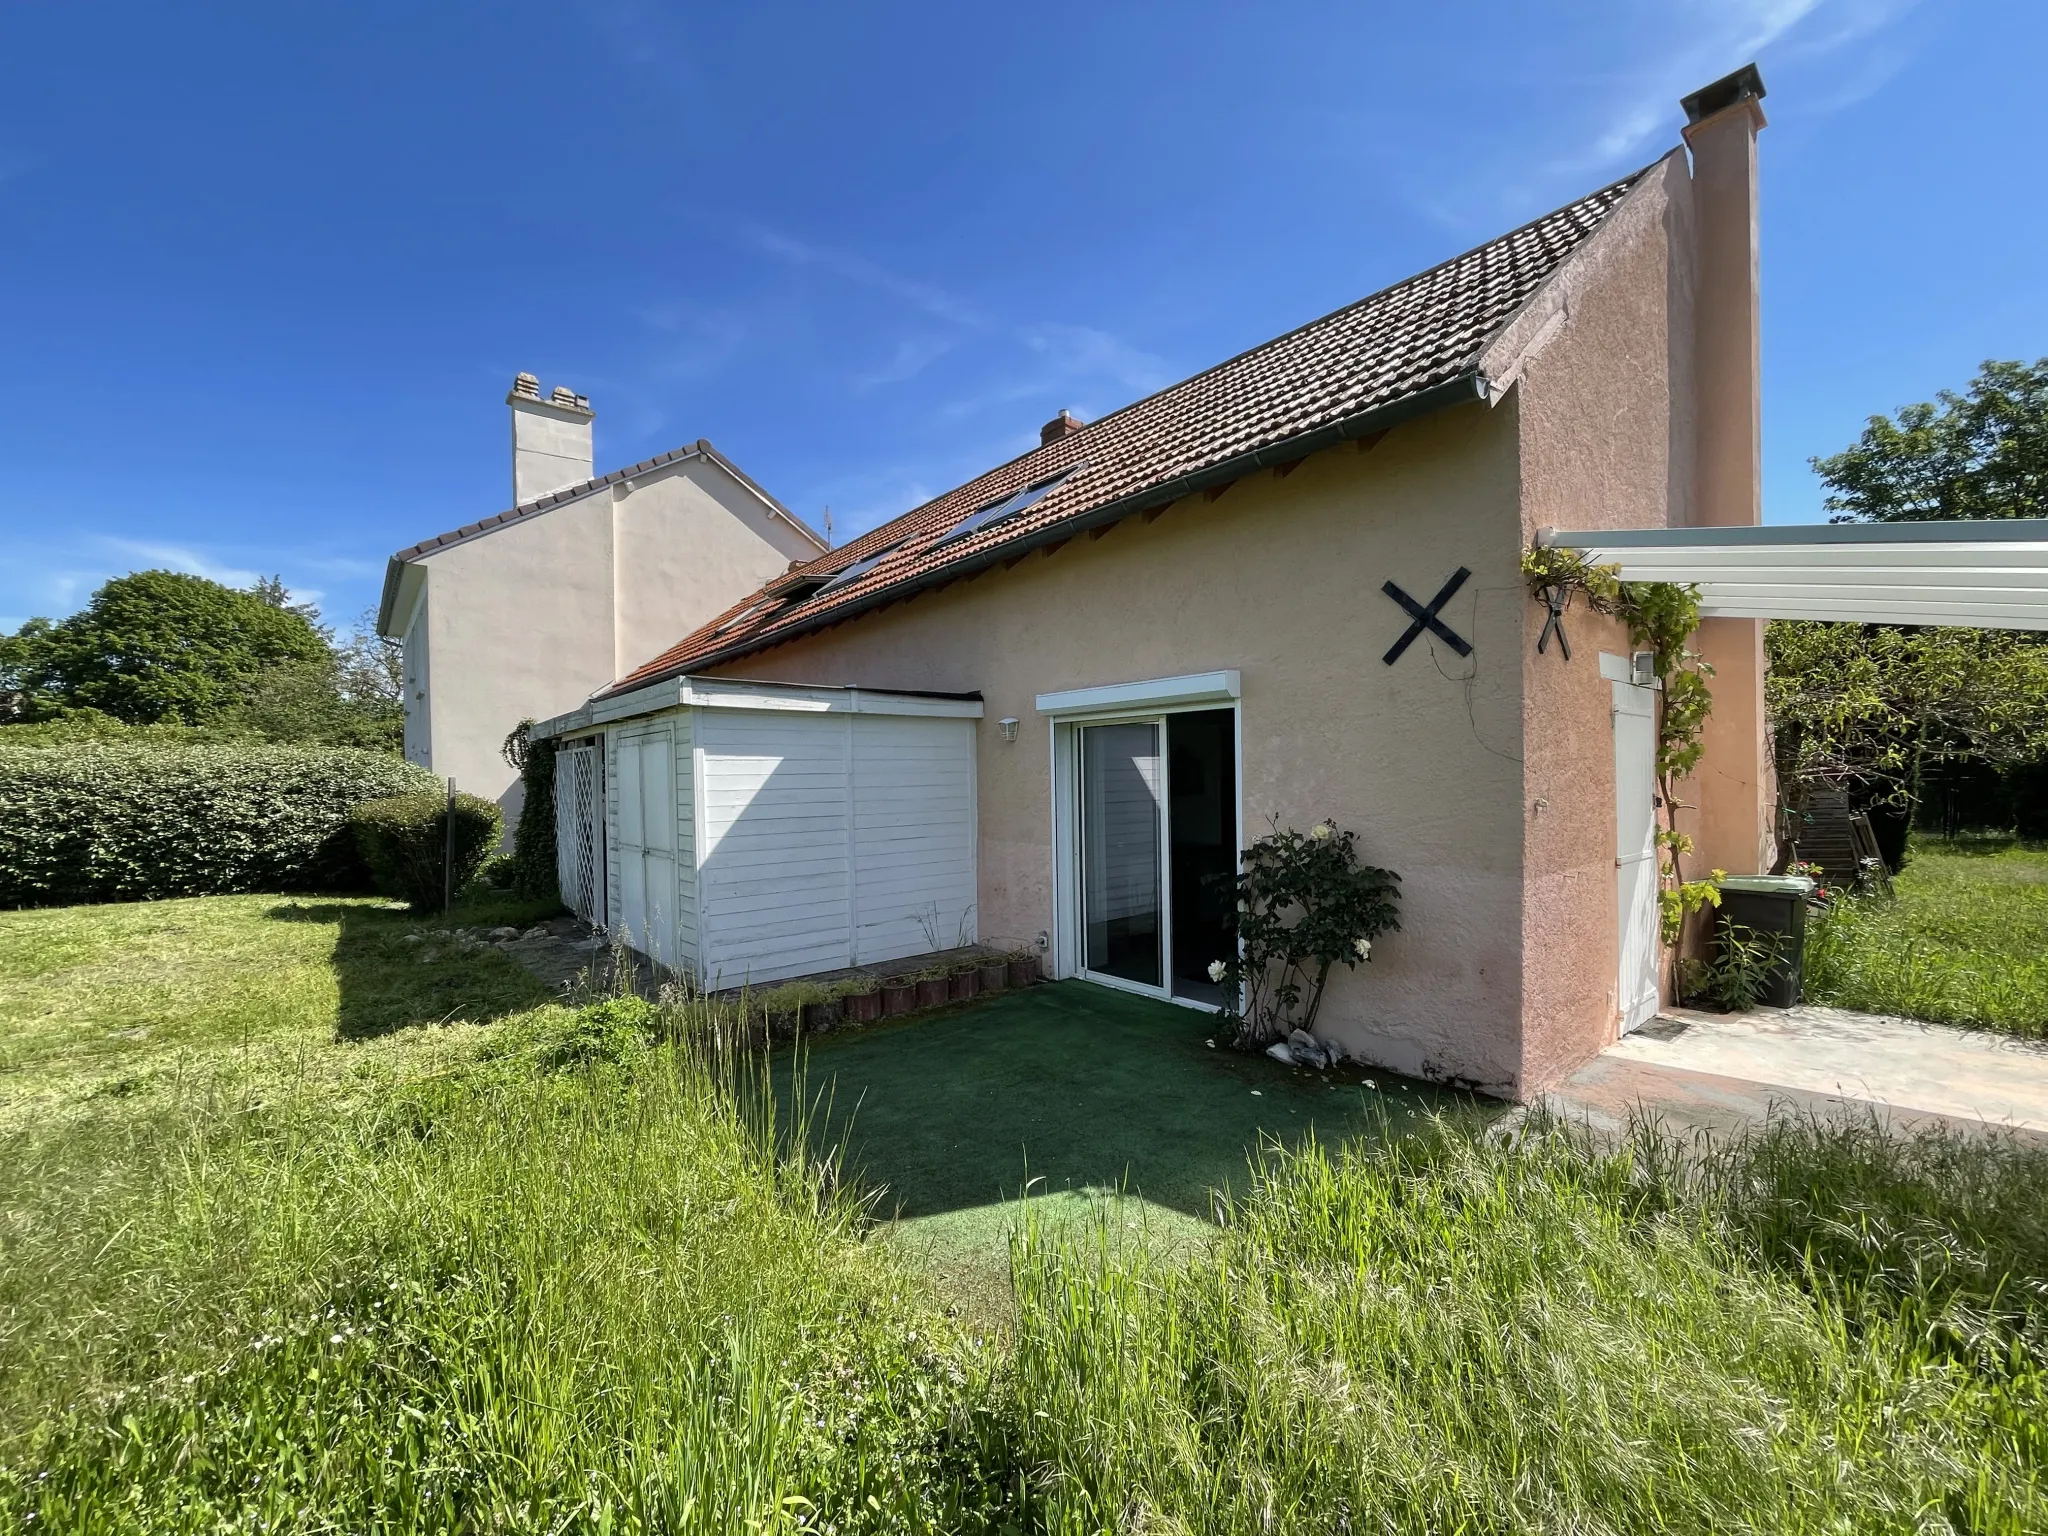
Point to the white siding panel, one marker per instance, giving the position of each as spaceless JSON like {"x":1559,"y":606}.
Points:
{"x":913,"y":835}
{"x":772,"y":874}
{"x":613,"y":888}
{"x":688,"y":951}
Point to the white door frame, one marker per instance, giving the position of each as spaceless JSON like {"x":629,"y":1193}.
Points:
{"x":1638,"y":942}
{"x":1067,"y":950}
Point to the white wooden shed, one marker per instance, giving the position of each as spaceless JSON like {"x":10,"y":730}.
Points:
{"x":745,"y":833}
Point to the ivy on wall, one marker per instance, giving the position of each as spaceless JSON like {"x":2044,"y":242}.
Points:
{"x":1661,"y":617}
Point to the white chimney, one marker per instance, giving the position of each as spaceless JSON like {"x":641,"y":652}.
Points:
{"x":550,"y":440}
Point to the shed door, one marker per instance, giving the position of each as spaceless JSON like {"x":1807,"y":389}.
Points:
{"x":647,"y":843}
{"x":1635,"y":850}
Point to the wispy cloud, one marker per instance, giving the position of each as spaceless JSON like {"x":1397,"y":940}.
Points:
{"x":911,"y":356}
{"x":178,"y":557}
{"x":192,"y":562}
{"x":853,"y":268}
{"x":1081,"y":351}
{"x":1631,"y":110}
{"x":1711,"y":37}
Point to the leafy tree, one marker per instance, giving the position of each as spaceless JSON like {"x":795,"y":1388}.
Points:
{"x":1871,"y":707}
{"x":1980,"y":454}
{"x":303,"y":701}
{"x":372,"y":668}
{"x":156,"y":646}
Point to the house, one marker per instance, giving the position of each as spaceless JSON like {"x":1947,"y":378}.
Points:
{"x":1047,"y":705}
{"x":524,"y":613}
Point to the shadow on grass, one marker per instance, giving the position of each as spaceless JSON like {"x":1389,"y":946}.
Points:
{"x":388,"y":984}
{"x":1079,"y":1088}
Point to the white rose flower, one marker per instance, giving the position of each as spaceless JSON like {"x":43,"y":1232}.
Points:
{"x":1217,"y":969}
{"x":1320,"y":831}
{"x":1364,"y":948}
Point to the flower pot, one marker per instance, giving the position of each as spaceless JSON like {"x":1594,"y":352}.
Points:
{"x":823,"y":1018}
{"x":864,"y":1007}
{"x":932,"y":992}
{"x":995,"y":975}
{"x":898,"y":997}
{"x":1023,"y":970}
{"x":964,"y":984}
{"x":782,"y":1026}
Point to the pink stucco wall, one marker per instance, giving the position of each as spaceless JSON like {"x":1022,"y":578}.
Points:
{"x":1607,"y":442}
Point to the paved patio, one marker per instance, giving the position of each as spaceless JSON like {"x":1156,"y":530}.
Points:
{"x":1717,"y":1072}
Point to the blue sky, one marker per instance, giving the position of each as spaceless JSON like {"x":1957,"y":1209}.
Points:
{"x":268,"y":270}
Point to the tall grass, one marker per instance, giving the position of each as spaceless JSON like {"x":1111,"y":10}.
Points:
{"x":1444,"y":1335}
{"x":579,"y":1287}
{"x":1965,"y":942}
{"x":577,"y":1277}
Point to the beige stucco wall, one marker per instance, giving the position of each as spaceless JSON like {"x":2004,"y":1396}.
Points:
{"x":692,"y":541}
{"x":1607,"y":441}
{"x":518,"y":625}
{"x":1280,"y":579}
{"x":529,"y":619}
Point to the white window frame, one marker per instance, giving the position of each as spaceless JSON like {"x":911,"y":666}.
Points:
{"x":1136,"y":703}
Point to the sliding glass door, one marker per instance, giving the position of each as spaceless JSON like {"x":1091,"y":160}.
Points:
{"x":1122,"y":852}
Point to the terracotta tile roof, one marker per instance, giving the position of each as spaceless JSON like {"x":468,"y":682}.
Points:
{"x":701,"y":449}
{"x":1393,"y":355}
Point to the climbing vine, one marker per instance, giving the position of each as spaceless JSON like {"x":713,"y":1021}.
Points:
{"x":1661,"y":618}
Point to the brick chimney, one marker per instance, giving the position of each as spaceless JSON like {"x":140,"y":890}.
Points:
{"x":1735,"y":787}
{"x":1059,"y":427}
{"x":551,"y":446}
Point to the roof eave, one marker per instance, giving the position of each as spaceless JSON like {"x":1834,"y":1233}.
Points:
{"x":1465,"y":386}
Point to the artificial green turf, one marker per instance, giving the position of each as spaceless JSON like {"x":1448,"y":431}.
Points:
{"x":1101,"y":1101}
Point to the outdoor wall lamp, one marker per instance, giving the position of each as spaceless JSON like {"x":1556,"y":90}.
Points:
{"x":1008,"y":726}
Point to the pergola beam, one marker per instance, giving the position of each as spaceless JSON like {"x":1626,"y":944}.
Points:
{"x":1984,"y":575}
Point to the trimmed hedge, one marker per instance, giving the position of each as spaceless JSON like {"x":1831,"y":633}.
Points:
{"x":124,"y":821}
{"x":404,"y":840}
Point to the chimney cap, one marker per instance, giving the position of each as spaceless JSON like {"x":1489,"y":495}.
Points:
{"x":1060,"y":426}
{"x":525,"y":387}
{"x":1745,"y":84}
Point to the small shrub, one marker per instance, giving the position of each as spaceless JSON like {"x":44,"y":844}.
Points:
{"x":1739,"y":973}
{"x":1304,"y":903}
{"x":404,"y":841}
{"x":112,"y":820}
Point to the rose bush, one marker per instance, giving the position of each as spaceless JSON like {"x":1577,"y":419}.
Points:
{"x":1304,"y":904}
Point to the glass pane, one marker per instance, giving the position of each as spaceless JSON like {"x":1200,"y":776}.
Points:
{"x":1202,"y":834}
{"x":1120,"y":895}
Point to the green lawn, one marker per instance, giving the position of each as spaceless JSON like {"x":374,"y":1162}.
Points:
{"x":1965,"y":942}
{"x":314,"y":1220}
{"x":153,"y":1002}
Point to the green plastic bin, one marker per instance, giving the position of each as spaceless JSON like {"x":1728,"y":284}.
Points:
{"x":1771,"y":904}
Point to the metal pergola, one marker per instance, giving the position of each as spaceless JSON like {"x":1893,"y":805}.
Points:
{"x":1984,"y":575}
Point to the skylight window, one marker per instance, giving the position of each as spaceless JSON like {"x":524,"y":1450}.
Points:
{"x":1000,"y":511}
{"x":740,"y":618}
{"x":855,"y":571}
